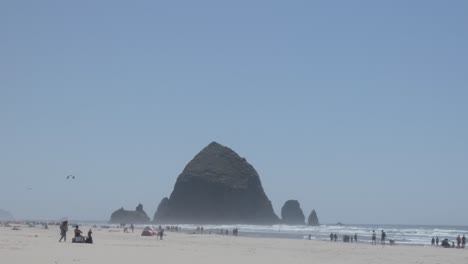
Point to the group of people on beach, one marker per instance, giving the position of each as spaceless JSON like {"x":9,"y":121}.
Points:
{"x":461,"y":242}
{"x":79,"y":238}
{"x":383,"y":237}
{"x":346,"y":238}
{"x":221,"y":231}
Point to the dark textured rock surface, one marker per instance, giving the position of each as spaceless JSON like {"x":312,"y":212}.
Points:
{"x":313,"y":219}
{"x":130,"y":217}
{"x":217,"y":186}
{"x":291,"y":213}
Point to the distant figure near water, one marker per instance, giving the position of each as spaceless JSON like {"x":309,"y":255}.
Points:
{"x":433,"y":241}
{"x":382,"y":238}
{"x":355,"y":237}
{"x":463,"y":241}
{"x":331,"y":236}
{"x":437,"y":241}
{"x":335,"y":236}
{"x":374,"y":238}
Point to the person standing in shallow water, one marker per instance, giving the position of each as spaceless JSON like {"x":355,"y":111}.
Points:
{"x":331,"y":236}
{"x":463,"y":241}
{"x":335,"y":236}
{"x":374,"y":238}
{"x":433,"y":241}
{"x":437,"y":241}
{"x":355,"y":237}
{"x":458,"y":241}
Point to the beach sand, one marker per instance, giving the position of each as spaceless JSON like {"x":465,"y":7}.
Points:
{"x":38,"y":246}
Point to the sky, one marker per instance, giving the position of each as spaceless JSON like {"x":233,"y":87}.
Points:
{"x":358,"y":109}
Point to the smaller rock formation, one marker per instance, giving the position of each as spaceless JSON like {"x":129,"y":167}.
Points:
{"x":291,"y":213}
{"x":163,"y":209}
{"x":313,"y":219}
{"x":5,"y":215}
{"x":130,"y":217}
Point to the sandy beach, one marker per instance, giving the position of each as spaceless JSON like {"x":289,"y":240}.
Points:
{"x":37,"y":245}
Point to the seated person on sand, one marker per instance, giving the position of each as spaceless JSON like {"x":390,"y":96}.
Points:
{"x":78,"y":232}
{"x":89,"y":239}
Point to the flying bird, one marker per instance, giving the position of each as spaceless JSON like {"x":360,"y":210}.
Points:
{"x":70,"y":176}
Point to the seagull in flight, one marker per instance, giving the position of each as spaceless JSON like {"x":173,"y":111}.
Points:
{"x":70,"y":176}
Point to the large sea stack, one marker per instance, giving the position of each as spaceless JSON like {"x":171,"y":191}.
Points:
{"x":138,"y":216}
{"x":217,"y":186}
{"x":291,"y":213}
{"x":313,"y":219}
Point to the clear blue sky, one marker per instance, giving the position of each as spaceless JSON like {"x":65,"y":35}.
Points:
{"x":355,"y":108}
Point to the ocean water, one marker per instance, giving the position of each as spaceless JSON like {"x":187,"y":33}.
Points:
{"x":402,"y":234}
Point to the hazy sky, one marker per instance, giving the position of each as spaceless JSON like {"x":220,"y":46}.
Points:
{"x":355,"y":108}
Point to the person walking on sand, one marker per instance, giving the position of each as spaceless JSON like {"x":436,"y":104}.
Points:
{"x":374,"y":238}
{"x":63,"y":231}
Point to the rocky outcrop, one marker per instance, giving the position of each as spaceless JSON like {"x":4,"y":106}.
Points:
{"x":5,"y":215}
{"x":217,"y":186}
{"x":163,"y":209}
{"x":130,"y":217}
{"x":313,"y":219}
{"x":291,"y":213}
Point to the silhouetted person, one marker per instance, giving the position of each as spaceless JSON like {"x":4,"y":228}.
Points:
{"x":77,"y":231}
{"x":374,"y":238}
{"x":355,"y":237}
{"x":463,"y":241}
{"x":433,"y":241}
{"x":310,"y":237}
{"x":161,"y":234}
{"x":201,"y":229}
{"x":382,"y":237}
{"x":89,"y":239}
{"x":437,"y":241}
{"x":331,"y":236}
{"x":458,"y":241}
{"x":335,"y":236}
{"x":132,"y":227}
{"x":63,"y":231}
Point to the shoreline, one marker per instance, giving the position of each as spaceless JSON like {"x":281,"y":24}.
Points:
{"x":112,"y":245}
{"x":403,"y":235}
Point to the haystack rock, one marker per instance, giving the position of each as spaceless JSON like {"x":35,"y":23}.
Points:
{"x":291,"y":213}
{"x":217,"y":186}
{"x":313,"y":219}
{"x":130,"y":217}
